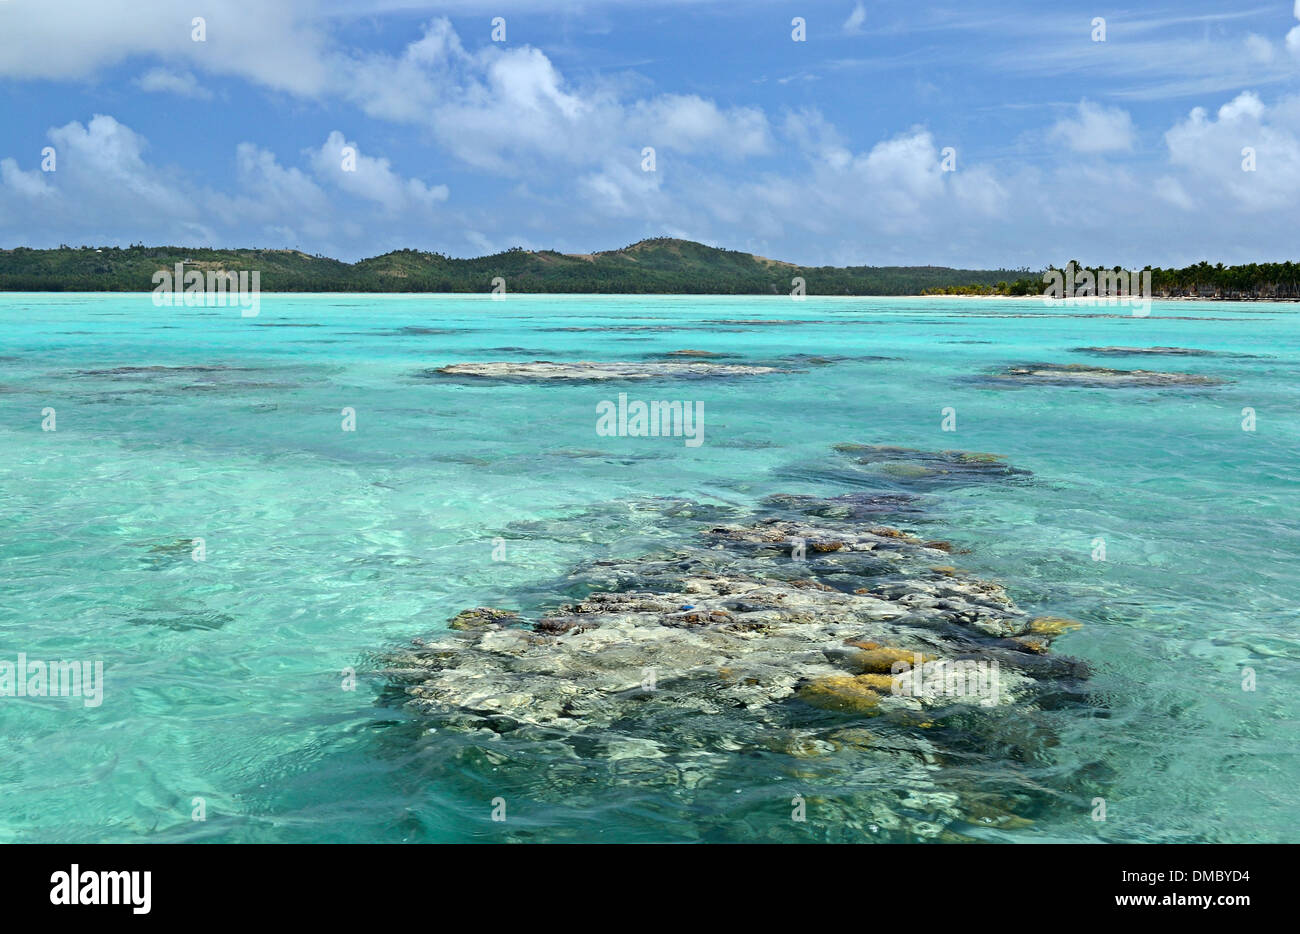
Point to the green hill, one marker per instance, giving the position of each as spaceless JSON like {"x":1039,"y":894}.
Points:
{"x":660,"y":265}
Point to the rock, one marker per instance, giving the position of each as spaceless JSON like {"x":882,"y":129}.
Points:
{"x":925,"y":470}
{"x":1079,"y":374}
{"x":681,"y":664}
{"x":881,"y":658}
{"x":616,"y":371}
{"x":854,"y":736}
{"x":840,"y":692}
{"x":1037,"y":646}
{"x":481,"y":618}
{"x":1145,"y":351}
{"x":846,"y":506}
{"x":1052,"y":625}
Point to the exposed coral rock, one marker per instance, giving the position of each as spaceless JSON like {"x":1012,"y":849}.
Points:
{"x":1079,"y":374}
{"x":672,"y":667}
{"x":1145,"y":351}
{"x":481,"y":618}
{"x":840,"y":692}
{"x":1053,"y":625}
{"x":545,"y":370}
{"x":912,"y":467}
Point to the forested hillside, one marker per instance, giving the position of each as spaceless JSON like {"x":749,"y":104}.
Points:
{"x":651,"y":266}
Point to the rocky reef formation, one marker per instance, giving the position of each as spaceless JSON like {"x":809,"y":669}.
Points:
{"x":948,"y":467}
{"x":910,"y":471}
{"x":588,"y":371}
{"x":1080,"y":374}
{"x":848,"y":649}
{"x":1145,"y":351}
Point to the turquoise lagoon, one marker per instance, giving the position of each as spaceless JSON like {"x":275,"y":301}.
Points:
{"x":224,"y":678}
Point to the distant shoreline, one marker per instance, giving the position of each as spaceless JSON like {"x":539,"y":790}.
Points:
{"x":1104,"y":300}
{"x":658,"y":266}
{"x":1081,"y":301}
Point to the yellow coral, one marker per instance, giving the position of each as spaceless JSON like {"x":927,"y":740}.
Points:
{"x":881,"y":658}
{"x":1053,"y":625}
{"x":840,"y":692}
{"x":881,"y":683}
{"x":1034,"y":645}
{"x":854,"y":737}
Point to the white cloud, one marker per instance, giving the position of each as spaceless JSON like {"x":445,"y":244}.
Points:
{"x":286,"y":50}
{"x":689,"y":124}
{"x":853,"y":24}
{"x":622,"y":190}
{"x":162,"y":80}
{"x":1259,"y":49}
{"x":342,"y":163}
{"x":102,"y":186}
{"x":105,"y":190}
{"x":1095,"y":129}
{"x":106,"y":159}
{"x":1172,"y":191}
{"x":1210,"y":151}
{"x":406,"y":88}
{"x":572,"y":143}
{"x":896,"y":192}
{"x":30,"y":184}
{"x":272,"y":191}
{"x":506,"y":110}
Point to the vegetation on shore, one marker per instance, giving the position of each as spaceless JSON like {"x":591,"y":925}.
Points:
{"x":660,"y":265}
{"x":1267,"y":281}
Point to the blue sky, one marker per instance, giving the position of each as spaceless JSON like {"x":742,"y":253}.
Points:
{"x":351,"y":128}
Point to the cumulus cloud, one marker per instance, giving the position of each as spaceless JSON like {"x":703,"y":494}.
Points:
{"x":271,"y":191}
{"x":371,"y":178}
{"x":691,"y":124}
{"x":105,"y":160}
{"x":787,"y":184}
{"x":102,"y":185}
{"x":500,"y":109}
{"x":29,"y":185}
{"x":512,"y":112}
{"x":105,"y":189}
{"x":287,"y":51}
{"x":409,"y":87}
{"x":1216,"y":152}
{"x":1095,"y":129}
{"x":618,"y":189}
{"x":889,"y":195}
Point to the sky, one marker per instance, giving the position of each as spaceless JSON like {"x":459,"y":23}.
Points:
{"x":881,"y":132}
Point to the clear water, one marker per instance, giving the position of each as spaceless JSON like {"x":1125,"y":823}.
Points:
{"x":224,"y":677}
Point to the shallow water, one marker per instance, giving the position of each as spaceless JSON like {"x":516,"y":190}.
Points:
{"x":323,"y":547}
